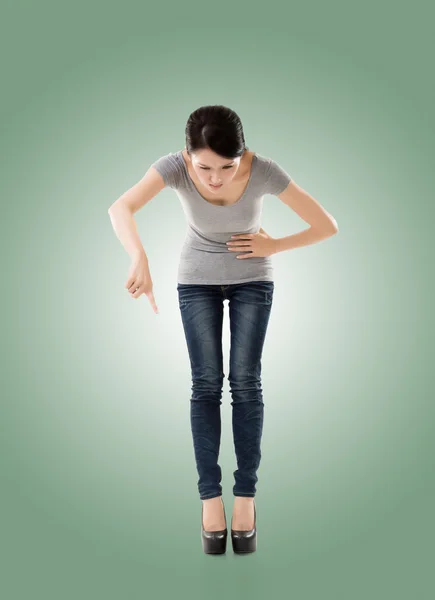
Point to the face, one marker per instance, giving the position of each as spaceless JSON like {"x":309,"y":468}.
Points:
{"x":211,"y":168}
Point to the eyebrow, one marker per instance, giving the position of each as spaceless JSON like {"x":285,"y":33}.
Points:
{"x":227,"y":165}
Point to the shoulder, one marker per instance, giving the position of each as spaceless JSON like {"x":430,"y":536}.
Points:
{"x":170,"y":168}
{"x":275,"y":177}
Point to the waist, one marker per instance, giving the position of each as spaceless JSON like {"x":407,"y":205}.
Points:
{"x":222,"y":266}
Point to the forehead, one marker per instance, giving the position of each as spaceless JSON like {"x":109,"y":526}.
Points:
{"x":209,"y":158}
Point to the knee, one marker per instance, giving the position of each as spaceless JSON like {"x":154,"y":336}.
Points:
{"x":207,"y":386}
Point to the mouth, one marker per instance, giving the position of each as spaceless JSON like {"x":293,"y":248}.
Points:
{"x":215,"y":186}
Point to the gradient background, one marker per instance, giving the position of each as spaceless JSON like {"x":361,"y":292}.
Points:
{"x":99,"y":487}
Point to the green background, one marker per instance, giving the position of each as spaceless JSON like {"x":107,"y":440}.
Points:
{"x":99,"y":487}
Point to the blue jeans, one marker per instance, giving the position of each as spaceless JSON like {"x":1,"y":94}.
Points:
{"x":201,"y":308}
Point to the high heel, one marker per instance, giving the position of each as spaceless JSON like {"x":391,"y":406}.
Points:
{"x":245,"y":540}
{"x":214,"y":542}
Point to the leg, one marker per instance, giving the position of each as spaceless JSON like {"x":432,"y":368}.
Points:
{"x":201,"y":308}
{"x":250,"y":305}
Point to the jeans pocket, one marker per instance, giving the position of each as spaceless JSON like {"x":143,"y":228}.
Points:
{"x":182,"y":290}
{"x":269,"y":292}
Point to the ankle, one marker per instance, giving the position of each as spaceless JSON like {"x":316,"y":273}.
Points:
{"x":217,"y":500}
{"x":243,"y":500}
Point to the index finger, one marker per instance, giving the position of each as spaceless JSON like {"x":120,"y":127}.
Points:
{"x":152,"y":301}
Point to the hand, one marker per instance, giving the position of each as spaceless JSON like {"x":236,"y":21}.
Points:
{"x":258,"y":244}
{"x":139,"y":280}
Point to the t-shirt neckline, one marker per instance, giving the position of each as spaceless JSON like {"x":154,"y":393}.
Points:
{"x":253,"y":162}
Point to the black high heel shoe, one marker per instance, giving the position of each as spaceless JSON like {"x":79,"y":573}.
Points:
{"x":214,"y":542}
{"x":245,"y":540}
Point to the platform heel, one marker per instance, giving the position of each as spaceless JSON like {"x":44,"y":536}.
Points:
{"x":213,"y":542}
{"x":244,"y":541}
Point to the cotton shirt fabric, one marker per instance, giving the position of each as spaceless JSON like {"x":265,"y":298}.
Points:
{"x":205,"y":258}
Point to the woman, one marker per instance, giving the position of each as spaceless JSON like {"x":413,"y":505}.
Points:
{"x":226,"y":256}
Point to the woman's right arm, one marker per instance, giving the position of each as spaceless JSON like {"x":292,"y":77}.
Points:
{"x":121,"y":214}
{"x":122,"y":210}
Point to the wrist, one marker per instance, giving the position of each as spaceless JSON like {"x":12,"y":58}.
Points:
{"x":139,"y":254}
{"x":276,"y":245}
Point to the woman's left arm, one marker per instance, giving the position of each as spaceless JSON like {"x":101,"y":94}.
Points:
{"x":322,"y":224}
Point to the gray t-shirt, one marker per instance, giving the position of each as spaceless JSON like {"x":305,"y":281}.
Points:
{"x":205,"y":258}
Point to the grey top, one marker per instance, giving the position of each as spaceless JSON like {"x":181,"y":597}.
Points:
{"x":205,"y":258}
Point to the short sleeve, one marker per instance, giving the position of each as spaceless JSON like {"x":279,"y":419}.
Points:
{"x":276,"y":178}
{"x":169,"y":168}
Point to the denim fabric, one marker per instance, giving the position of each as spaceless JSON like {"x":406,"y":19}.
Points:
{"x":201,"y":307}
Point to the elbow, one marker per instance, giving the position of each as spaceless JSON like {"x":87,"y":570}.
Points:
{"x":112,"y":208}
{"x":327,"y":229}
{"x":332,"y":226}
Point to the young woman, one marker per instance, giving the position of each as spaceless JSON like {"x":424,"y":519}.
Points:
{"x":226,"y":256}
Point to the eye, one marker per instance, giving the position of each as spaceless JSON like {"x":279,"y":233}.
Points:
{"x":228,"y":167}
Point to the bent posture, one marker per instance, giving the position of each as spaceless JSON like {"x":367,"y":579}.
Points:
{"x":226,"y":256}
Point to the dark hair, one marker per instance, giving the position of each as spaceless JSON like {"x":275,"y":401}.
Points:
{"x":217,"y":128}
